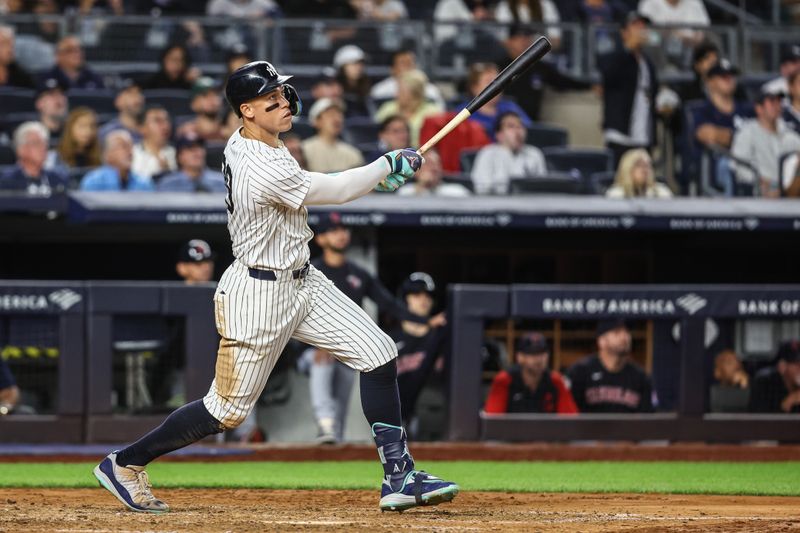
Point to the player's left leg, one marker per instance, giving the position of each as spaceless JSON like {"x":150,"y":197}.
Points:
{"x":343,"y":378}
{"x":336,"y":324}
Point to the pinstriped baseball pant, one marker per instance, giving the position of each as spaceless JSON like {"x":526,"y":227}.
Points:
{"x":256,"y":318}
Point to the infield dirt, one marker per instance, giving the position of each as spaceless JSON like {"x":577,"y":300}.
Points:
{"x":93,"y":510}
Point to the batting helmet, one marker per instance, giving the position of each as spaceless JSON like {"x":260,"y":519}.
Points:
{"x":255,"y":79}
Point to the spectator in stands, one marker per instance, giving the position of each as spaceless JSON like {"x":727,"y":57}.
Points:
{"x":410,"y":103}
{"x":230,"y":124}
{"x":153,"y":156}
{"x":421,"y":347}
{"x":761,"y":142}
{"x":193,"y":175}
{"x":479,"y":77}
{"x":403,"y":61}
{"x":468,"y":135}
{"x":459,"y":11}
{"x":382,"y":10}
{"x":608,"y":382}
{"x":116,"y":173}
{"x":790,"y":63}
{"x":629,"y":91}
{"x":531,"y":11}
{"x":428,"y":181}
{"x":79,"y":146}
{"x":677,"y":13}
{"x":528,"y":89}
{"x":509,"y":157}
{"x":238,"y":56}
{"x":52,"y":105}
{"x":9,"y":391}
{"x":294,"y":144}
{"x":70,"y":69}
{"x":11,"y":74}
{"x":635,"y":178}
{"x":176,"y":70}
{"x":243,"y":9}
{"x":207,"y":107}
{"x":129,"y":102}
{"x":776,"y":389}
{"x":349,"y":63}
{"x":528,"y":386}
{"x":791,"y":112}
{"x":393,"y":134}
{"x":704,"y":56}
{"x":325,"y":152}
{"x":29,"y":175}
{"x":327,"y":86}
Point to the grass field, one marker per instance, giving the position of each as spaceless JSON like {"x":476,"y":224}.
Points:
{"x":776,"y":479}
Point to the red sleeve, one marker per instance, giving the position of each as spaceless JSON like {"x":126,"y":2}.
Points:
{"x":497,"y":402}
{"x":566,"y":405}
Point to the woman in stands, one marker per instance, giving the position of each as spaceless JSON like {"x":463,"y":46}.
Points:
{"x":410,"y":103}
{"x":176,"y":70}
{"x":349,"y":62}
{"x":79,"y":146}
{"x":636,"y":179}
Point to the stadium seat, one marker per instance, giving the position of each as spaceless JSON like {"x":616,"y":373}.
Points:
{"x":99,"y":100}
{"x":599,"y":182}
{"x":360,"y":132}
{"x":214,"y":155}
{"x":467,"y":157}
{"x":554,"y":182}
{"x":461,"y":179}
{"x":7,"y":155}
{"x":176,"y":101}
{"x":584,"y":160}
{"x":545,"y":135}
{"x":10,"y":121}
{"x":14,"y":100}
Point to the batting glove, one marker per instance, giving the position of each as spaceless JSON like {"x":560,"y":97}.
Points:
{"x":404,"y":162}
{"x":392,"y":182}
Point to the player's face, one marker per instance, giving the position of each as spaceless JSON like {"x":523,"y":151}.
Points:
{"x":419,"y":303}
{"x":617,"y":341}
{"x":199,"y":272}
{"x":269,"y":112}
{"x":534,"y":363}
{"x":338,"y":239}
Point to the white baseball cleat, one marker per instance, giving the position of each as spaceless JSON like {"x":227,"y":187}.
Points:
{"x":129,"y":484}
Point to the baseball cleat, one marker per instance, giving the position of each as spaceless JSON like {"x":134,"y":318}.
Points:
{"x":418,"y":489}
{"x":129,"y":484}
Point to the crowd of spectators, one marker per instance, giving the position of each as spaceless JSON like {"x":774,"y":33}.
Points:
{"x":745,"y":141}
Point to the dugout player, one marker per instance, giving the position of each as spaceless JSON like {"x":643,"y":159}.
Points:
{"x":528,"y":386}
{"x":776,"y":389}
{"x":420,"y":347}
{"x":9,"y":392}
{"x":330,"y":379}
{"x":270,"y":293}
{"x":608,"y":382}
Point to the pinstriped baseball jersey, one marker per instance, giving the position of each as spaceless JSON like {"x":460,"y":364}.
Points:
{"x":266,"y":188}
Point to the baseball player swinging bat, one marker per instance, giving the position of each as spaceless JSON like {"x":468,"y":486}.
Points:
{"x":517,"y":68}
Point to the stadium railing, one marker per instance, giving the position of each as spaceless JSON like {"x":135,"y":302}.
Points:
{"x":472,"y":306}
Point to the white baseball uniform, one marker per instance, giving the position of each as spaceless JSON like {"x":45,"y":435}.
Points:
{"x":256,"y":317}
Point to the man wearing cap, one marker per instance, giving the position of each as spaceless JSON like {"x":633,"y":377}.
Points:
{"x":403,"y":60}
{"x":761,"y":142}
{"x":528,"y":386}
{"x":129,"y":102}
{"x":776,"y":389}
{"x":331,"y":380}
{"x":421,"y":346}
{"x":195,"y":262}
{"x":70,"y":69}
{"x":630,"y":85}
{"x":192,"y":175}
{"x":325,"y":152}
{"x":207,"y":108}
{"x":153,"y":156}
{"x":52,"y":105}
{"x":790,"y":63}
{"x":608,"y":382}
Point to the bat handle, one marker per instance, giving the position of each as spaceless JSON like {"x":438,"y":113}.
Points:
{"x":450,"y":126}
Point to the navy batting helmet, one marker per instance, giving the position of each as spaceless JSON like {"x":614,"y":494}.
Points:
{"x":256,"y":79}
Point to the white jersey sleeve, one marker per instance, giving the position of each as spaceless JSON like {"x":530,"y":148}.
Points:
{"x":277,"y":179}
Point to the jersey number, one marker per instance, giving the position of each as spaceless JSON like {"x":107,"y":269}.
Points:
{"x":226,"y":171}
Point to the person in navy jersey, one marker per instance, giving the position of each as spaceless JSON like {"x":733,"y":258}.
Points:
{"x":776,"y":389}
{"x":529,"y":386}
{"x":70,"y":69}
{"x":479,"y":77}
{"x":607,"y":381}
{"x":28,"y":174}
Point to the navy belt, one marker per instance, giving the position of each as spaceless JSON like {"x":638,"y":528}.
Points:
{"x":269,"y":275}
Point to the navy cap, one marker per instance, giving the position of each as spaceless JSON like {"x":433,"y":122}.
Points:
{"x":532,"y":343}
{"x":188,"y":141}
{"x":49,"y":84}
{"x":610,"y":324}
{"x":329,"y":221}
{"x":196,"y":251}
{"x":789,"y":351}
{"x":792,"y":53}
{"x":723,"y":67}
{"x":416,"y":283}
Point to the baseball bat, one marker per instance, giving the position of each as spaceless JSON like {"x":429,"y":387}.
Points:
{"x":514,"y":70}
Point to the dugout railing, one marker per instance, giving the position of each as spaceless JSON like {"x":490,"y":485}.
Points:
{"x":472,"y":306}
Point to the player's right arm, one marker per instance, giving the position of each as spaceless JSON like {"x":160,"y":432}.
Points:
{"x":392,"y":169}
